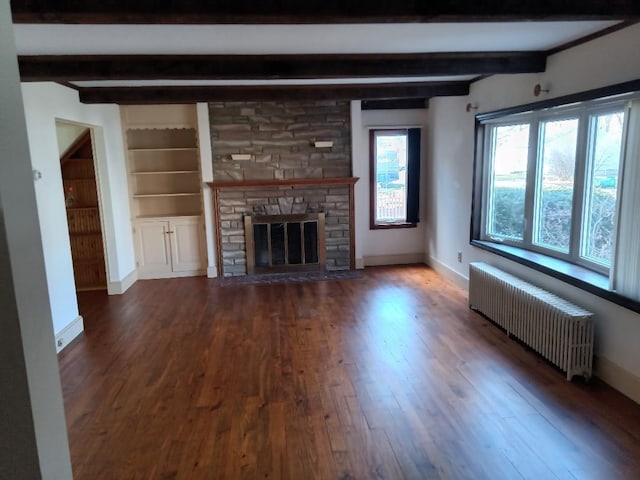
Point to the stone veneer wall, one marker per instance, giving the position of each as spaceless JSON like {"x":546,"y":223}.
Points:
{"x":279,"y":136}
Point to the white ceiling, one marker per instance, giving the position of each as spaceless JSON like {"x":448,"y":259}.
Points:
{"x":65,"y":39}
{"x":297,"y":39}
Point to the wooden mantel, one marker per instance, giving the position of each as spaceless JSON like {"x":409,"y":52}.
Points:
{"x":292,"y":182}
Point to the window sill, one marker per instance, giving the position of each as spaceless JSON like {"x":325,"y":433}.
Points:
{"x":388,"y":226}
{"x":575,"y":275}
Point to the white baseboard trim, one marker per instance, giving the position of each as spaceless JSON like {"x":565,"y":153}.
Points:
{"x":118,"y":288}
{"x":187,"y":273}
{"x":212,"y":272}
{"x":447,"y":272}
{"x":398,"y":259}
{"x":359,"y":263}
{"x":618,"y":378}
{"x":68,"y":333}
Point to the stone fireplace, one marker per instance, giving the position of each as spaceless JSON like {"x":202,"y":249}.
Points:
{"x":266,"y":163}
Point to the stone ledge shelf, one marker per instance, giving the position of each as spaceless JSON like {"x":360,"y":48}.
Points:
{"x":292,"y":182}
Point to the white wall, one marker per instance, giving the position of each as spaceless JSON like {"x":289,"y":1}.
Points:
{"x":45,"y":103}
{"x":605,"y":61}
{"x":449,"y":170}
{"x":33,"y":437}
{"x":390,"y":246}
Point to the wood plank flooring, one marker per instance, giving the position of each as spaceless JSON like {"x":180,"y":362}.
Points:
{"x":389,"y":376}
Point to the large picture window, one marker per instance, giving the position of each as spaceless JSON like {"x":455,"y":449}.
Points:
{"x":395,"y":177}
{"x":550,"y":180}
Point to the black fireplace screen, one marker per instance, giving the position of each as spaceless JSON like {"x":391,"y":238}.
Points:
{"x":285,"y":242}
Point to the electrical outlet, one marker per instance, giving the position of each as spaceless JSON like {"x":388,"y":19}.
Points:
{"x":460,"y":257}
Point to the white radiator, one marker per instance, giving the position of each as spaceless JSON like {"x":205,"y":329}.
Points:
{"x":558,"y":330}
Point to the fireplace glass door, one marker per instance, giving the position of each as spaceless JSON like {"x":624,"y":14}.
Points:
{"x":278,"y":243}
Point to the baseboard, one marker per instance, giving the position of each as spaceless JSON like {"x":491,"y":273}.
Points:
{"x":118,"y":288}
{"x":447,"y":272}
{"x":359,"y":263}
{"x":187,"y":273}
{"x":617,"y":377}
{"x":212,"y":272}
{"x":68,"y":333}
{"x":399,"y":259}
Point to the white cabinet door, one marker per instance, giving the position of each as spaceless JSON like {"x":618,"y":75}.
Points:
{"x":152,"y":242}
{"x":170,"y":247}
{"x":186,"y":244}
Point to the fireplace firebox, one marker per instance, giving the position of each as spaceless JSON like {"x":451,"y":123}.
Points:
{"x":285,"y":243}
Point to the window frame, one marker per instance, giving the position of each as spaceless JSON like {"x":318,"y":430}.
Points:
{"x":486,"y":174}
{"x":572,"y":274}
{"x":583,"y":113}
{"x":373,"y":224}
{"x":587,"y":168}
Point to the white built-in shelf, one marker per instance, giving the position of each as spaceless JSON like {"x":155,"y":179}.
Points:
{"x":164,"y":163}
{"x":165,"y":185}
{"x":165,"y":172}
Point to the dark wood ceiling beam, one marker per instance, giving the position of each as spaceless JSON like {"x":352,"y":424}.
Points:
{"x":395,"y":104}
{"x":317,"y":11}
{"x":231,"y":67}
{"x":157,"y":95}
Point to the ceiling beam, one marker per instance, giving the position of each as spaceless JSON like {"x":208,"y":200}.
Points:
{"x":395,"y":104}
{"x":317,"y":11}
{"x":245,"y":67}
{"x":157,"y":95}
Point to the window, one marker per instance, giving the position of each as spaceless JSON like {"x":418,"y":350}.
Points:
{"x":551,"y":178}
{"x":510,"y":150}
{"x":555,"y":184}
{"x":394,"y":177}
{"x":603,"y":178}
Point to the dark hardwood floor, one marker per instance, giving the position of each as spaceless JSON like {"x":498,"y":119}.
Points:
{"x":389,"y":376}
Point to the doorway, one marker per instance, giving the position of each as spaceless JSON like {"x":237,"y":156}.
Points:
{"x":81,"y":201}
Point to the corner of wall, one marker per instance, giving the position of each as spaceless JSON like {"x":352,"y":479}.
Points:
{"x":393,"y":259}
{"x":454,"y":277}
{"x":121,"y":286}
